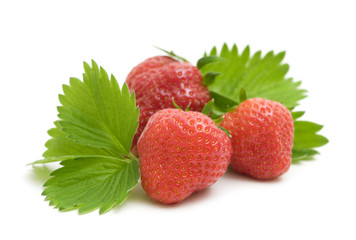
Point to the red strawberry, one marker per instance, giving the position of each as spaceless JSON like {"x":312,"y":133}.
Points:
{"x":181,"y":153}
{"x":262,"y":138}
{"x":159,"y":79}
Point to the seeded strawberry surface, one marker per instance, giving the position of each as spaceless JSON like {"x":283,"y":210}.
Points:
{"x":262,"y":138}
{"x":159,"y":79}
{"x":181,"y":153}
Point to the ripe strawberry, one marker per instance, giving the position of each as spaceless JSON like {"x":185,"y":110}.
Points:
{"x":181,"y":153}
{"x":159,"y":79}
{"x":262,"y":138}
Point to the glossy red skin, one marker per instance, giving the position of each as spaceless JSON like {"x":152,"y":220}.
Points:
{"x":262,"y":138}
{"x":181,"y":153}
{"x":159,"y":79}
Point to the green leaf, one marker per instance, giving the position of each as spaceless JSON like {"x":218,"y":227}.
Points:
{"x":59,"y":146}
{"x":243,"y":95}
{"x":303,"y":154}
{"x":97,"y":113}
{"x":219,"y":120}
{"x":261,"y":76}
{"x":208,"y":108}
{"x":306,"y":138}
{"x":305,"y":135}
{"x":176,"y":105}
{"x":208,"y":59}
{"x":209,"y":78}
{"x":222,"y":104}
{"x":57,"y":159}
{"x":297,"y":115}
{"x":172,"y":54}
{"x":225,"y":131}
{"x":187,"y":108}
{"x":92,"y":141}
{"x":90,"y":183}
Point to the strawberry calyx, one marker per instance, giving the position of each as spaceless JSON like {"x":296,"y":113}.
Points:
{"x":173,"y":55}
{"x":243,"y":95}
{"x":178,"y":107}
{"x":209,"y":77}
{"x":225,"y":131}
{"x":207,"y":110}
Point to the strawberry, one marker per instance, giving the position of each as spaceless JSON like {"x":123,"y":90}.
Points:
{"x":181,"y":153}
{"x":159,"y":79}
{"x":262,"y":138}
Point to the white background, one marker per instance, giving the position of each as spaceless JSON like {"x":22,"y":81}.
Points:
{"x":43,"y":43}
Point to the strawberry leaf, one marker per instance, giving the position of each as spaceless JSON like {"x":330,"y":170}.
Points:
{"x":89,"y":183}
{"x":297,"y":115}
{"x":209,"y":78}
{"x":306,"y":138}
{"x":261,"y":76}
{"x":97,"y":113}
{"x":60,"y":145}
{"x":222,"y":104}
{"x":92,"y":140}
{"x":208,"y":59}
{"x":208,"y":108}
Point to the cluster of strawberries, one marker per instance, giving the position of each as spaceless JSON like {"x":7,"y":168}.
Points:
{"x":181,"y":152}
